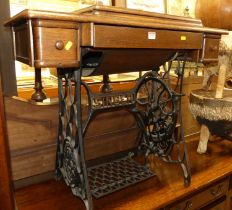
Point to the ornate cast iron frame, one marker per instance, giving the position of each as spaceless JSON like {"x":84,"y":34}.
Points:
{"x":155,"y":106}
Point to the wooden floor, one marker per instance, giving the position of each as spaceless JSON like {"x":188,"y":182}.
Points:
{"x":152,"y":194}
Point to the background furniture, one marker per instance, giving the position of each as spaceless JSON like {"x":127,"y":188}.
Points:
{"x":212,"y":107}
{"x":7,"y":63}
{"x":222,"y":13}
{"x":6,"y":190}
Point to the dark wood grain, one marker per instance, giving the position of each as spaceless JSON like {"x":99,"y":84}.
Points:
{"x":6,"y":190}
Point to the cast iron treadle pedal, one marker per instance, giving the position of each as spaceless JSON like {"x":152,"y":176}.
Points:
{"x":112,"y":176}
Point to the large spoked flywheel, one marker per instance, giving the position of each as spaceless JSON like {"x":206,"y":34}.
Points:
{"x":159,"y":108}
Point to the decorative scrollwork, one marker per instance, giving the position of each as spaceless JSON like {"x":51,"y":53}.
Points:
{"x":103,"y":101}
{"x":159,"y":109}
{"x":70,"y":159}
{"x":71,"y":169}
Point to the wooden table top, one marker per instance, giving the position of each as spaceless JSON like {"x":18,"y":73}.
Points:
{"x":152,"y":194}
{"x":118,"y":16}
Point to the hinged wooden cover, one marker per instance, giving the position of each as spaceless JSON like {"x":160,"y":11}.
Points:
{"x":118,"y":16}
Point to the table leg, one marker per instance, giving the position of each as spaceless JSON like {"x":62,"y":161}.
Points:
{"x":38,"y":95}
{"x":204,"y":137}
{"x":70,"y":162}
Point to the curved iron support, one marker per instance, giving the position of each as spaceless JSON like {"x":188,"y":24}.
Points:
{"x":70,"y":160}
{"x":159,"y":115}
{"x":183,"y":159}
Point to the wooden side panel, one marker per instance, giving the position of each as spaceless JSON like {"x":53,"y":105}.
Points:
{"x":6,"y":191}
{"x":210,"y":50}
{"x":22,"y":44}
{"x":116,"y":121}
{"x":33,"y":135}
{"x":34,"y":162}
{"x":30,"y":126}
{"x":131,"y":60}
{"x":111,"y":143}
{"x":87,"y":37}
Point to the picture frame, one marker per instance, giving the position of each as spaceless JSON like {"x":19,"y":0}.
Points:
{"x":158,"y":6}
{"x":181,"y":7}
{"x":174,"y":7}
{"x":96,"y":2}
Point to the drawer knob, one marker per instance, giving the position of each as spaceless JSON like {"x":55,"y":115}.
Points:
{"x":217,"y":191}
{"x":189,"y":205}
{"x":213,"y":48}
{"x":59,"y":45}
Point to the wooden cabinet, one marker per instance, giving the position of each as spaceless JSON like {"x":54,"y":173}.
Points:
{"x":229,"y":197}
{"x":6,"y":191}
{"x":220,"y":204}
{"x":205,"y":197}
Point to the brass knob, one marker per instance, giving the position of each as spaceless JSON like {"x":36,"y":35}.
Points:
{"x":217,"y":191}
{"x":59,"y":45}
{"x":189,"y":205}
{"x":213,"y":47}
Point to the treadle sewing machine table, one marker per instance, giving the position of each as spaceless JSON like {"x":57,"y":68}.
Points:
{"x":101,"y":41}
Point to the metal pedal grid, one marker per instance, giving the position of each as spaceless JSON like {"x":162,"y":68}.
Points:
{"x":154,"y":105}
{"x":112,"y":176}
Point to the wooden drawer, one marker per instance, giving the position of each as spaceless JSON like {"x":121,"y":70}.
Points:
{"x":128,"y":37}
{"x":55,"y":47}
{"x":220,"y":204}
{"x":204,"y":197}
{"x":210,"y":50}
{"x":230,"y":186}
{"x":47,"y":44}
